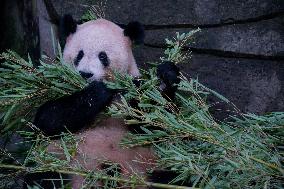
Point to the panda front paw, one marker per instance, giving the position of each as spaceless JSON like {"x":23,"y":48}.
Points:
{"x":75,"y":111}
{"x":169,"y":74}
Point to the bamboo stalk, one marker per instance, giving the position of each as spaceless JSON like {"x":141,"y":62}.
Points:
{"x":272,"y":166}
{"x":140,"y":183}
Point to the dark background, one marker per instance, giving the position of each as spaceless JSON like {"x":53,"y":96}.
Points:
{"x":239,"y":52}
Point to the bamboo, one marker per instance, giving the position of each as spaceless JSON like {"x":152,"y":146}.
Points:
{"x":140,"y":183}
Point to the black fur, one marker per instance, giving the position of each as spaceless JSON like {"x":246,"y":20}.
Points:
{"x":169,"y":74}
{"x":135,"y":31}
{"x":166,"y":177}
{"x":67,"y":26}
{"x":79,"y":57}
{"x":73,"y":112}
{"x":104,"y":59}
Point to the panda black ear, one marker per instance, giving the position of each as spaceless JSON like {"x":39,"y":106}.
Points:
{"x":135,"y":31}
{"x":67,"y":26}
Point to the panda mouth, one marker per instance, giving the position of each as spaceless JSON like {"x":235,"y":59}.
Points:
{"x":91,"y":79}
{"x":89,"y":76}
{"x":107,"y":75}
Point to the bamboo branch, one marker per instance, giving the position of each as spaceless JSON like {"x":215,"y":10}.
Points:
{"x":140,"y":183}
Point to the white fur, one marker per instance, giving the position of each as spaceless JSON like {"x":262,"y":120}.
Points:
{"x":94,"y":37}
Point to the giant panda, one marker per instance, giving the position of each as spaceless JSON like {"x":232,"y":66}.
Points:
{"x":95,"y":48}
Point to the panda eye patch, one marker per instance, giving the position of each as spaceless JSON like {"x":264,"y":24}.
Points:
{"x":79,"y":57}
{"x":102,"y":55}
{"x":103,"y":58}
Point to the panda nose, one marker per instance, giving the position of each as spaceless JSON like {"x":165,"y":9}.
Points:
{"x":86,"y":75}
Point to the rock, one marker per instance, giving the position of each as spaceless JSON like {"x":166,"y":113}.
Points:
{"x":74,"y":7}
{"x":19,"y":28}
{"x":11,"y":30}
{"x":252,"y":85}
{"x":47,"y":32}
{"x":195,"y":12}
{"x":264,"y":38}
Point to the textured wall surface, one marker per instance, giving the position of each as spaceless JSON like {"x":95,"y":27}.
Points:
{"x":19,"y":28}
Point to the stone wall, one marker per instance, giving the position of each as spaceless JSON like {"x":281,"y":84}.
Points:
{"x":19,"y":27}
{"x":239,"y":52}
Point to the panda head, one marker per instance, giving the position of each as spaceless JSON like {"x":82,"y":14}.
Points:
{"x":99,"y":46}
